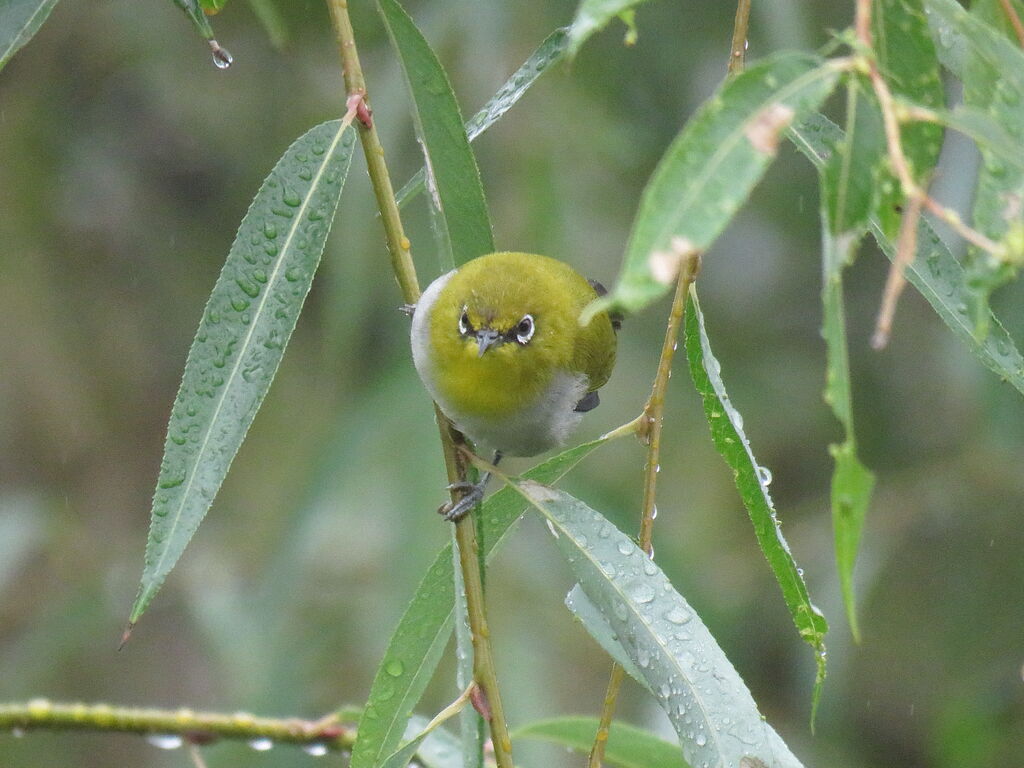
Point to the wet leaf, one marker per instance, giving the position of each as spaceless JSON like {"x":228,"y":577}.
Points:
{"x":594,"y":15}
{"x":752,"y":481}
{"x":710,"y":169}
{"x":245,"y":328}
{"x":708,"y":704}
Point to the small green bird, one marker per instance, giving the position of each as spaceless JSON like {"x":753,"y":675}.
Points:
{"x":499,"y":346}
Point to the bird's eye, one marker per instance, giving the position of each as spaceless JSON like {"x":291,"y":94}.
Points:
{"x":464,"y":326}
{"x":524,"y":331}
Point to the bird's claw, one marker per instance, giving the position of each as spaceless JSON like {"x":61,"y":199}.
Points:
{"x":455,"y":511}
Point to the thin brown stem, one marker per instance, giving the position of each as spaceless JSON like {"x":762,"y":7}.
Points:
{"x":484,"y":672}
{"x":1014,"y":19}
{"x":905,"y":250}
{"x":649,"y":429}
{"x":739,"y":37}
{"x":190,"y":727}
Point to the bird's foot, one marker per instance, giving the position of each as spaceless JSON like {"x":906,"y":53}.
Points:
{"x":455,"y":511}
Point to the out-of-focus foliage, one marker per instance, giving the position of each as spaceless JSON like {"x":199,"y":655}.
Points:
{"x":128,"y":161}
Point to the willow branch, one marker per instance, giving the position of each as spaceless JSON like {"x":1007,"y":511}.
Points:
{"x":190,"y":727}
{"x":649,"y":429}
{"x":405,"y":272}
{"x":1014,"y":19}
{"x":739,"y":37}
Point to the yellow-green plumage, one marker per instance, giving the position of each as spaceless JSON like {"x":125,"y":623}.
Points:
{"x":513,"y":393}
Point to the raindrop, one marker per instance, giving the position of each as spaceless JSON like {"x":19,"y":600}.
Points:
{"x":395,"y":668}
{"x":625,"y":547}
{"x":165,"y":740}
{"x":222,"y":57}
{"x":551,"y":528}
{"x":765,"y":474}
{"x":677,"y":616}
{"x":643,"y":593}
{"x":262,"y":744}
{"x":316,"y":749}
{"x":701,"y":740}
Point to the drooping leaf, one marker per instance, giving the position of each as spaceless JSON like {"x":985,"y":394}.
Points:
{"x":627,"y":746}
{"x":999,"y":193}
{"x":461,"y":221}
{"x":194,"y":10}
{"x":848,"y":193}
{"x":594,"y":15}
{"x":589,"y":616}
{"x":708,"y":704}
{"x":242,"y":336}
{"x":19,"y":21}
{"x":549,"y":53}
{"x":416,"y":645}
{"x":710,"y":169}
{"x":910,"y":66}
{"x":935,"y":272}
{"x":752,"y":481}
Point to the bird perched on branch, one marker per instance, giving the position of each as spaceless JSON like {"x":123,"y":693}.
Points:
{"x":499,"y":345}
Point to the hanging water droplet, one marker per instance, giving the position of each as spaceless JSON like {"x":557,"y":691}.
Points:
{"x":165,"y":740}
{"x":316,"y":750}
{"x":765,"y":474}
{"x":222,"y":57}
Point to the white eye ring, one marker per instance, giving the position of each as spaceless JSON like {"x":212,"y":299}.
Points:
{"x":464,"y":322}
{"x":525,"y":329}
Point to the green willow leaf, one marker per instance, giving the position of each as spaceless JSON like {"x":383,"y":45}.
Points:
{"x":708,"y":704}
{"x":418,"y":641}
{"x":909,"y":64}
{"x":594,"y":15}
{"x":999,"y":191}
{"x":194,"y":10}
{"x":549,"y":53}
{"x":440,"y":749}
{"x":461,"y":221}
{"x":211,"y":7}
{"x":979,"y":126}
{"x":246,"y":325}
{"x":710,"y":169}
{"x":471,"y":724}
{"x":752,"y":480}
{"x":627,"y":746}
{"x":272,"y":20}
{"x":935,"y":272}
{"x":19,"y":21}
{"x":417,"y":744}
{"x":589,"y":616}
{"x":848,"y":194}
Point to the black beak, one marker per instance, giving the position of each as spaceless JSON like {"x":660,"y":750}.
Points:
{"x":486,"y":339}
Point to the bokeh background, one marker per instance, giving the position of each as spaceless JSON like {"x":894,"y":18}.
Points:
{"x":126,"y":162}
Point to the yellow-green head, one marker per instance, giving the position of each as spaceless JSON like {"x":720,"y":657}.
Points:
{"x":498,"y":344}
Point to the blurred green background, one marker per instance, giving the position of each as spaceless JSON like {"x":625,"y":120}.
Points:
{"x":127,"y":161}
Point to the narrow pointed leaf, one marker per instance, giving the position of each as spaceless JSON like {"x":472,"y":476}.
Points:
{"x":752,"y":480}
{"x":461,"y":221}
{"x":910,"y":66}
{"x":440,"y":749}
{"x":416,"y":645}
{"x":400,"y":757}
{"x":594,"y":15}
{"x":711,"y":167}
{"x":848,"y":193}
{"x":597,"y":625}
{"x":19,"y":21}
{"x":246,"y":325}
{"x":708,"y":704}
{"x":999,"y":193}
{"x":549,"y":53}
{"x":935,"y":272}
{"x":272,"y":20}
{"x":470,"y":722}
{"x":985,"y":131}
{"x":194,"y":10}
{"x":627,"y":746}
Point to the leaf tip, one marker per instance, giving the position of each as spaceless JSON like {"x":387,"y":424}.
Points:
{"x":126,"y":635}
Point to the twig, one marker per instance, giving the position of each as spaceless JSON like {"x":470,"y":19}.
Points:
{"x":649,"y":429}
{"x":191,"y":727}
{"x":739,"y":37}
{"x":1015,"y":22}
{"x":401,"y":261}
{"x":894,"y":283}
{"x":917,"y":197}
